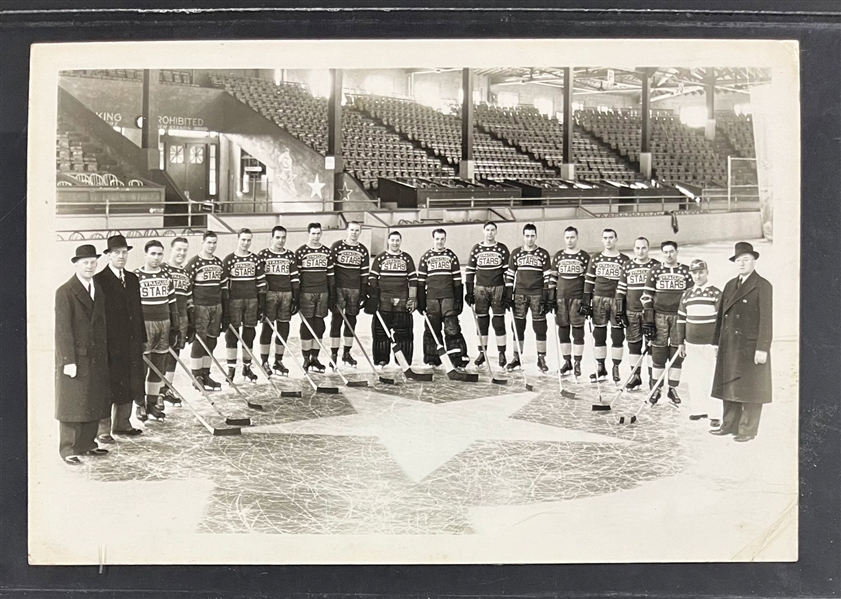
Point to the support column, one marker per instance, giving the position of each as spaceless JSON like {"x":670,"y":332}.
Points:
{"x":645,"y":137}
{"x":149,"y":124}
{"x":467,"y":165}
{"x":568,"y":165}
{"x":334,"y":133}
{"x":709,"y":87}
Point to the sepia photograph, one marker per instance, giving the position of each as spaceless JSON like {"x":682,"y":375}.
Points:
{"x":413,"y":302}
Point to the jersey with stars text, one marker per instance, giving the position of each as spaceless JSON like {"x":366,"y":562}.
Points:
{"x":280,"y":269}
{"x":352,"y":264}
{"x":315,"y":268}
{"x":487,"y":264}
{"x":439,"y":273}
{"x":632,"y":283}
{"x":528,"y":271}
{"x":206,"y":280}
{"x":245,"y":275}
{"x":665,"y":286}
{"x":568,"y":273}
{"x":603,"y":274}
{"x":393,"y":274}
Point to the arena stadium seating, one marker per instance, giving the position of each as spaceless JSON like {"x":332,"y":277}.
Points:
{"x":76,"y":153}
{"x":543,"y":138}
{"x":165,"y":76}
{"x":738,"y":129}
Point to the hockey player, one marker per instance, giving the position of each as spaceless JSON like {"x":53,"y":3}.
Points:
{"x":352,"y":262}
{"x":629,"y":305}
{"x":441,"y":296}
{"x":599,"y":302}
{"x":569,"y":268}
{"x":696,"y":316}
{"x":178,"y":248}
{"x":243,"y":301}
{"x":485,"y":282}
{"x":664,"y":287}
{"x":282,"y":290}
{"x":527,"y":289}
{"x":318,"y":290}
{"x":205,"y":274}
{"x":392,"y":289}
{"x":160,"y":315}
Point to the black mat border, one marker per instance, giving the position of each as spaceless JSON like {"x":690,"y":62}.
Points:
{"x":814,"y":24}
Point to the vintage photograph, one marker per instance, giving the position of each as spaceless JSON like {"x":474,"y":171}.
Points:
{"x":348,"y":302}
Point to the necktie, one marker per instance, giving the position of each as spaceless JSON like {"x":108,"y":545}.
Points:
{"x":90,"y":289}
{"x":739,"y":283}
{"x":122,"y":278}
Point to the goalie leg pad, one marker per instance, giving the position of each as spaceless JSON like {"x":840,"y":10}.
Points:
{"x":403,"y":335}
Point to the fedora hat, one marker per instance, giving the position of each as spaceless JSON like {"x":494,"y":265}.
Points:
{"x":85,"y":251}
{"x":743,"y":247}
{"x":116,"y":242}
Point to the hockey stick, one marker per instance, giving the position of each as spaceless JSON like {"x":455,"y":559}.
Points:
{"x":316,"y":388}
{"x":401,"y":359}
{"x":484,"y":351}
{"x":606,"y":407}
{"x":520,"y":349}
{"x":452,"y":373}
{"x":251,"y":355}
{"x":228,"y":419}
{"x":212,"y":429}
{"x":383,"y":379}
{"x":330,"y":357}
{"x":633,"y":418}
{"x":248,"y":402}
{"x":596,"y":361}
{"x":564,"y":392}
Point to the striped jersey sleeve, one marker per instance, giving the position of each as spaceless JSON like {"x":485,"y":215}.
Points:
{"x":697,"y":313}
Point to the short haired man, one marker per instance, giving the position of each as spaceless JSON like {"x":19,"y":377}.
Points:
{"x":441,"y":298}
{"x":82,"y":392}
{"x":566,"y":284}
{"x":629,"y":304}
{"x":392,"y":290}
{"x":352,"y":264}
{"x":205,"y":273}
{"x":243,"y":301}
{"x":174,"y":267}
{"x":282,"y":295}
{"x":664,"y":287}
{"x":527,"y":289}
{"x":603,"y":274}
{"x":485,"y":283}
{"x":163,"y":330}
{"x":318,"y":291}
{"x":696,"y":316}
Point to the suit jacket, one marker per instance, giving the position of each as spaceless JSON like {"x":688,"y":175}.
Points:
{"x":80,"y":339}
{"x":744,"y":325}
{"x":126,"y":335}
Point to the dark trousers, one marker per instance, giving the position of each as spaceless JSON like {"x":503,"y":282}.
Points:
{"x":741,"y":418}
{"x":118,"y":421}
{"x":76,"y":438}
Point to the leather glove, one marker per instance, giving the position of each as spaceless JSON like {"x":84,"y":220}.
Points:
{"x":295,"y":305}
{"x":458,"y":301}
{"x":648,"y":328}
{"x":548,"y":304}
{"x":620,"y":317}
{"x":421,"y":301}
{"x":175,"y":338}
{"x":507,"y":298}
{"x":363,"y":296}
{"x":261,"y":307}
{"x":226,"y":316}
{"x":372,"y":301}
{"x":331,"y":297}
{"x":191,"y":326}
{"x":585,"y":309}
{"x":470,"y":298}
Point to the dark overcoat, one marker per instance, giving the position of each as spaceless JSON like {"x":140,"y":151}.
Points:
{"x":80,"y":339}
{"x":126,"y":335}
{"x":743,"y":326}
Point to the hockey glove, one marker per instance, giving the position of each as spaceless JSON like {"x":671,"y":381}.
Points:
{"x":507,"y":298}
{"x":226,"y":315}
{"x":261,"y":307}
{"x":620,"y":317}
{"x":585,"y":309}
{"x":470,"y":298}
{"x":420,"y":301}
{"x":458,"y":300}
{"x":293,"y":309}
{"x":547,"y":305}
{"x":372,"y":302}
{"x":175,"y":339}
{"x":191,"y":326}
{"x":363,"y":295}
{"x":648,"y":327}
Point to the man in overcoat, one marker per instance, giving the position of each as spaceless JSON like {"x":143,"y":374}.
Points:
{"x":126,"y":337}
{"x":743,"y":332}
{"x":82,"y":389}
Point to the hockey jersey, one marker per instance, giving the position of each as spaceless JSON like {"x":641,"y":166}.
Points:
{"x":603,"y":274}
{"x":280,"y":270}
{"x":632,"y":283}
{"x":157,"y":294}
{"x":393,"y":274}
{"x":206,"y":280}
{"x":439,"y":273}
{"x":352,"y":264}
{"x":181,"y":282}
{"x":528,"y":271}
{"x":696,"y":314}
{"x":487,"y":264}
{"x":568,"y":273}
{"x":315,"y":268}
{"x":665,"y":286}
{"x":244,"y":275}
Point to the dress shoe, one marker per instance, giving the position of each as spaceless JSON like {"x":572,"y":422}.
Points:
{"x":743,"y":438}
{"x":132,"y":432}
{"x":106,"y":438}
{"x":697,"y":416}
{"x":715,"y":423}
{"x":97,"y":452}
{"x":719,"y":432}
{"x":72,"y":460}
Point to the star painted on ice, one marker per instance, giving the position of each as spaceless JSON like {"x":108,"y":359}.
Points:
{"x":422,"y":437}
{"x":345,"y":192}
{"x":316,"y":186}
